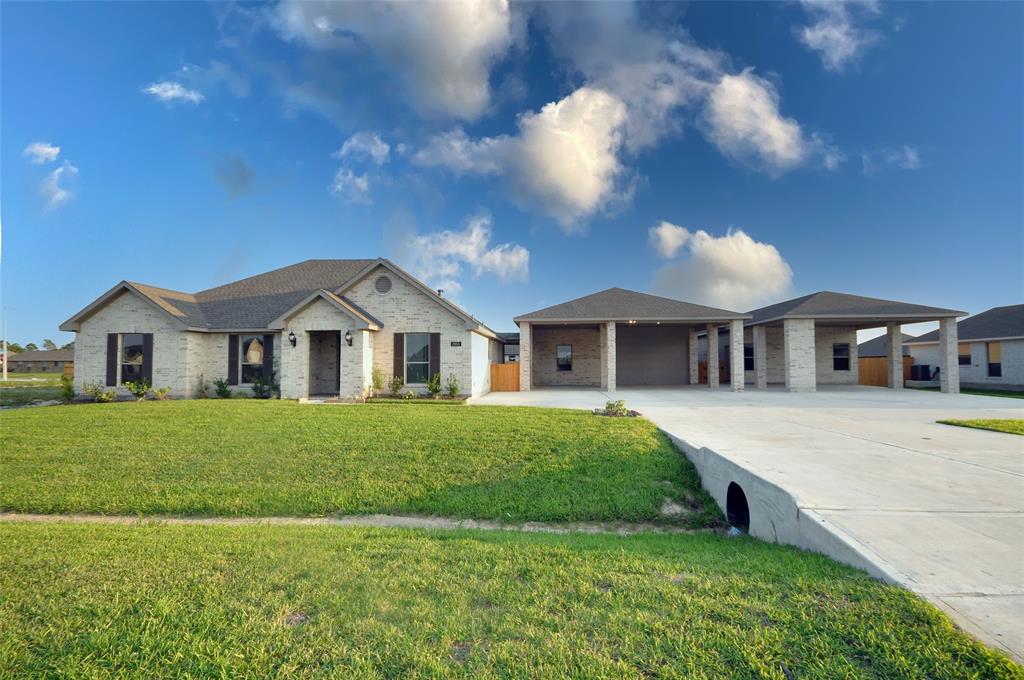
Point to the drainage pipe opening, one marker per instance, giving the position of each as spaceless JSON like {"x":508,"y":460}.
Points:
{"x":736,"y":509}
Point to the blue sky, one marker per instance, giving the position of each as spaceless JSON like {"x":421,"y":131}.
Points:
{"x":730,"y":154}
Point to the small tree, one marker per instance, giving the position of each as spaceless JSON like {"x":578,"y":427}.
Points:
{"x":377,"y":380}
{"x":452,"y":386}
{"x":67,"y":388}
{"x":434,"y":386}
{"x":49,"y":344}
{"x":396,"y":385}
{"x":222,"y":389}
{"x":31,"y":347}
{"x":138,"y":389}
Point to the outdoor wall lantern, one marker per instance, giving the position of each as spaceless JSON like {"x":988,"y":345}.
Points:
{"x":291,"y":337}
{"x":348,"y":338}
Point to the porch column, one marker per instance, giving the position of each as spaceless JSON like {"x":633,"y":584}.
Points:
{"x":712,"y":355}
{"x":736,"y":373}
{"x":691,"y":345}
{"x":608,"y":356}
{"x":894,"y":357}
{"x":760,"y":336}
{"x":798,"y":351}
{"x":949,"y":363}
{"x":525,"y":355}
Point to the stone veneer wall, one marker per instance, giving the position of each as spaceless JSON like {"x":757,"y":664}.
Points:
{"x":586,"y":356}
{"x":406,"y":309}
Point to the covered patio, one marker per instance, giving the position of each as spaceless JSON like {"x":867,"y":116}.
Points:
{"x":623,"y":338}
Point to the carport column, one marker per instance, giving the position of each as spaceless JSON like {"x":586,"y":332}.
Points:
{"x":608,"y":356}
{"x":949,"y":364}
{"x":798,"y":351}
{"x":736,"y":374}
{"x":712,"y":355}
{"x":760,"y":334}
{"x":894,"y":359}
{"x":694,"y":357}
{"x":525,"y":355}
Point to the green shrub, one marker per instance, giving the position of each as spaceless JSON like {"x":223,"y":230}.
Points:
{"x":409,"y":394}
{"x":202,"y":388}
{"x":98,"y":394}
{"x":265,"y":387}
{"x":434,"y":386}
{"x":138,"y":389}
{"x":67,"y":388}
{"x":221,"y":388}
{"x":160,"y":393}
{"x":452,"y":386}
{"x":616,"y":408}
{"x":396,"y":385}
{"x":377,"y":379}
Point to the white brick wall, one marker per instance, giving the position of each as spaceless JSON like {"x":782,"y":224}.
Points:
{"x":320,"y":316}
{"x":406,"y":309}
{"x":976,"y":374}
{"x":799,"y":354}
{"x":129,"y":313}
{"x":586,"y":356}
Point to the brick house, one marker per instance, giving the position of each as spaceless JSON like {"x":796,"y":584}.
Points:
{"x":624,"y":338}
{"x":40,"y":361}
{"x":322,"y":326}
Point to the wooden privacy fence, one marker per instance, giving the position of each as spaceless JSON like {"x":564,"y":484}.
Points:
{"x":504,"y":377}
{"x":872,"y":371}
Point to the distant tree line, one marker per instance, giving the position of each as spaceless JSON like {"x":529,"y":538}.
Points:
{"x":14,"y":347}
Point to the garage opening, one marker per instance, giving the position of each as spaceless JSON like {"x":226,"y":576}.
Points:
{"x":736,"y":509}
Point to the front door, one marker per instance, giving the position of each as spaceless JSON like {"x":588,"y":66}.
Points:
{"x":324,"y":363}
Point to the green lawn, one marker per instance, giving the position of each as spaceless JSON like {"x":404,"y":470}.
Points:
{"x":1008,"y":425}
{"x":983,"y":393}
{"x":261,"y":458}
{"x":92,"y":600}
{"x":24,"y":388}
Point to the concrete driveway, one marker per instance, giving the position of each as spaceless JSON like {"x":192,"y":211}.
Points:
{"x":935,"y":508}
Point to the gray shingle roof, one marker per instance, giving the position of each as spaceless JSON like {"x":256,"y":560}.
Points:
{"x":998,"y":322}
{"x":879,"y":347}
{"x":838,"y":305}
{"x":618,"y":304}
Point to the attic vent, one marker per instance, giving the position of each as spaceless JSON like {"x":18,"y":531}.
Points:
{"x":382,"y":284}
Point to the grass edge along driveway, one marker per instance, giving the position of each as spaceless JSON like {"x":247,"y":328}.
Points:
{"x":277,"y":458}
{"x":1007,"y":425}
{"x":273,"y":601}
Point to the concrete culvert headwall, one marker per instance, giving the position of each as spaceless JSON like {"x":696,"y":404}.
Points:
{"x":736,"y":509}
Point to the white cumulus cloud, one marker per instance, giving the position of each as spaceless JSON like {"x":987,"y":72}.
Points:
{"x":170,"y":91}
{"x":564,"y":159}
{"x":743,"y":120}
{"x":441,"y":52}
{"x":837,"y":32}
{"x":51,"y":189}
{"x":731,"y":272}
{"x":668,"y":238}
{"x":365,"y":145}
{"x":41,"y":152}
{"x":441,"y":257}
{"x":352,"y":187}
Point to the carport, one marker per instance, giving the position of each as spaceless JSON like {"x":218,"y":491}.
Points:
{"x":621,"y":337}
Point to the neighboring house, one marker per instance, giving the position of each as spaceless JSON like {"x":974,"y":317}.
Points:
{"x":990,"y":351}
{"x":879,"y":347}
{"x":619,"y":337}
{"x":40,"y":361}
{"x":322,"y":326}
